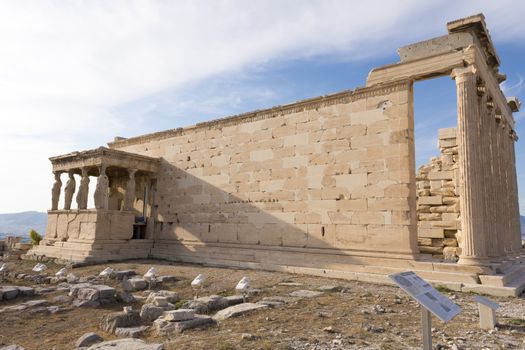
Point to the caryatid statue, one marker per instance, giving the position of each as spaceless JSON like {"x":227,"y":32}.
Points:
{"x":55,"y":191}
{"x":129,"y":198}
{"x":71,"y":184}
{"x":83,"y":190}
{"x":101,"y":191}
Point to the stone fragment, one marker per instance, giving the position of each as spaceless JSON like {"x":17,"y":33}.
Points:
{"x":329,"y":288}
{"x":26,"y":291}
{"x":88,"y":339}
{"x":125,"y":297}
{"x":71,"y":278}
{"x":9,"y":292}
{"x":160,"y":301}
{"x":169,"y":278}
{"x":126,"y":344}
{"x":87,"y":297}
{"x":107,"y":294}
{"x":179,"y":315}
{"x":172,"y":297}
{"x":130,"y":332}
{"x":276,"y":301}
{"x":134,"y":284}
{"x":237,"y":310}
{"x":207,"y":304}
{"x":234,"y":299}
{"x":12,"y":347}
{"x":23,"y":306}
{"x":303,"y":293}
{"x":150,"y":312}
{"x":164,"y":328}
{"x":119,"y":275}
{"x":115,"y":320}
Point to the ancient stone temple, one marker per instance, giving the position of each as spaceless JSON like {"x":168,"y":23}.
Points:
{"x":324,"y":186}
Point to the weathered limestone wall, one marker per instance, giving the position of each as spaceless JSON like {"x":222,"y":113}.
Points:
{"x":439,"y":225}
{"x":333,"y":172}
{"x":88,"y":225}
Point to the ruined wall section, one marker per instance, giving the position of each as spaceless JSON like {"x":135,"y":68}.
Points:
{"x":330,"y":172}
{"x":438,"y":213}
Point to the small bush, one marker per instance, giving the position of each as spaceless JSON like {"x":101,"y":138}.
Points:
{"x":35,"y":237}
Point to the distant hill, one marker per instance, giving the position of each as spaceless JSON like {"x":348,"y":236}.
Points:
{"x":19,"y":224}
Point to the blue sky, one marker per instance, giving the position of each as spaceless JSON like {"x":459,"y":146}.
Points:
{"x":74,"y":75}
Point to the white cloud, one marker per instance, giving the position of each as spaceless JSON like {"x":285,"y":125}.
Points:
{"x":64,"y":66}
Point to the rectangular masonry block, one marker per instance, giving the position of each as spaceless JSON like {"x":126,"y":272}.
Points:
{"x":441,"y":175}
{"x":447,"y":133}
{"x":431,"y":232}
{"x":351,"y":181}
{"x":296,"y":140}
{"x":430,"y":200}
{"x":261,"y":155}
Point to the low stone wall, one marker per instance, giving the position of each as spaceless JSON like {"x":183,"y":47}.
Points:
{"x":438,"y":200}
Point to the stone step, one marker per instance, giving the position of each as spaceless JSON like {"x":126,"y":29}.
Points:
{"x":515,"y":272}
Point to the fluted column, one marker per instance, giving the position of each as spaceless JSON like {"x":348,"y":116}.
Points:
{"x":55,"y":191}
{"x":473,"y":240}
{"x":83,"y":190}
{"x":101,"y":191}
{"x":69,"y":190}
{"x":515,"y":211}
{"x":129,"y":197}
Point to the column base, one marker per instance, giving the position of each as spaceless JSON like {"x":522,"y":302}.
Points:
{"x":474,"y":261}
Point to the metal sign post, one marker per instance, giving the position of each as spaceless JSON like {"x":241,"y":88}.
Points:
{"x":426,"y":323}
{"x":430,"y":301}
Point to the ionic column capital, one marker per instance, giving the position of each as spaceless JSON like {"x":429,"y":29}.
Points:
{"x":462,"y":74}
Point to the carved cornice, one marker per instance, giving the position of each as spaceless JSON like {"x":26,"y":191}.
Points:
{"x":343,"y":97}
{"x":103,"y":156}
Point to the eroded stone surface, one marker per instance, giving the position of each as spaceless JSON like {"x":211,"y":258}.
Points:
{"x":130,"y":332}
{"x":165,"y":328}
{"x":126,"y":344}
{"x":88,"y":339}
{"x":304,"y":293}
{"x":122,"y":319}
{"x":237,"y":310}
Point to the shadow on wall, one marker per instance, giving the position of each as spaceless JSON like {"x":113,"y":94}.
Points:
{"x":196,"y":221}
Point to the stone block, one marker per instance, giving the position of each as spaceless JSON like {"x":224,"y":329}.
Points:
{"x":88,"y":339}
{"x":9,"y":292}
{"x":137,"y":283}
{"x":237,"y":310}
{"x":179,"y":315}
{"x":166,"y":328}
{"x":261,"y":155}
{"x":114,"y":320}
{"x":130,"y":332}
{"x":431,"y":232}
{"x":433,"y":200}
{"x":441,"y":175}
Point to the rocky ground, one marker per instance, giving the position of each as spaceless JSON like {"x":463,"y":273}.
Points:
{"x":290,"y":312}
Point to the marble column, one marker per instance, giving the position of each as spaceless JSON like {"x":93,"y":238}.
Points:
{"x":55,"y":191}
{"x":473,"y":240}
{"x":515,"y":211}
{"x":101,"y":191}
{"x":69,"y":190}
{"x":129,"y":197}
{"x":83,"y":190}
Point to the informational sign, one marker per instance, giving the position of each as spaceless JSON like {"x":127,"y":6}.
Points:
{"x":487,"y":302}
{"x":426,"y":295}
